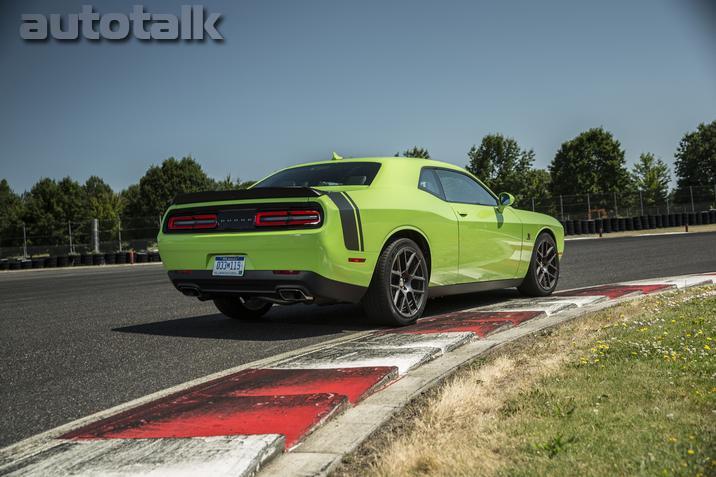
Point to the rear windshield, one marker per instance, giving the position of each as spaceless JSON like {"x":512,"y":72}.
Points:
{"x":339,"y":174}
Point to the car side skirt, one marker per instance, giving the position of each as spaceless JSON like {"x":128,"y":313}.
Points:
{"x":472,"y":287}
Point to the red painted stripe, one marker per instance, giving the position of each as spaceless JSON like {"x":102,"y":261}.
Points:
{"x":254,"y":401}
{"x":293,"y":416}
{"x":514,"y":317}
{"x":481,"y":329}
{"x":616,"y":291}
{"x":354,"y":383}
{"x":481,"y":323}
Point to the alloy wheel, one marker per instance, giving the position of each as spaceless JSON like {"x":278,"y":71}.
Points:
{"x":408,"y":281}
{"x":546,"y":269}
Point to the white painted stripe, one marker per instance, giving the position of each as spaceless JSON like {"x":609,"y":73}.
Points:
{"x":347,"y":356}
{"x":215,"y":456}
{"x":678,"y":282}
{"x":581,"y":301}
{"x":549,"y":305}
{"x":444,"y":341}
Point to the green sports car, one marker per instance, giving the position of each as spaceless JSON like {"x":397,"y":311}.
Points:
{"x":385,"y":232}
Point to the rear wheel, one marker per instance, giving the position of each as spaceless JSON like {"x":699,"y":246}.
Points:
{"x":543,"y":274}
{"x":398,"y":291}
{"x":239,"y":308}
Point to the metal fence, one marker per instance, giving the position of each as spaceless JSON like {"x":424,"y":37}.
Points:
{"x":139,"y":233}
{"x":70,"y":238}
{"x":601,"y":206}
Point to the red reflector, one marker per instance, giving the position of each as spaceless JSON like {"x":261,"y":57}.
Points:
{"x":191,"y":222}
{"x":286,"y":272}
{"x":284,"y":218}
{"x":356,"y":260}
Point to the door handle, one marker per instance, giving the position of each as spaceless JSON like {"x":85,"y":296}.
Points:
{"x":461,"y":213}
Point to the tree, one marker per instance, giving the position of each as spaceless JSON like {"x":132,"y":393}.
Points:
{"x":11,"y":208}
{"x":49,"y":206}
{"x":229,"y":184}
{"x":160,"y":184}
{"x":651,"y":177}
{"x":100,"y":200}
{"x":593,"y":163}
{"x":536,"y":186}
{"x":102,"y":203}
{"x":504,"y":167}
{"x":415,"y":152}
{"x":696,"y":157}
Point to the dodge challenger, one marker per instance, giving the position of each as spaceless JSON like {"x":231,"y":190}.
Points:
{"x":387,"y":233}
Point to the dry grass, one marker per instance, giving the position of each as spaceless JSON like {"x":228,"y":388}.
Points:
{"x":467,"y":425}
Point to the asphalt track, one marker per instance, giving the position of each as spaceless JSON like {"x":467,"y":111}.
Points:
{"x":74,"y":342}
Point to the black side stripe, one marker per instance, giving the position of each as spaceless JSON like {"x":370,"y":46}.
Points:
{"x":360,"y":223}
{"x":348,"y":220}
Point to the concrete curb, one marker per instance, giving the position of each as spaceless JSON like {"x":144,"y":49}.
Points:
{"x":322,"y":451}
{"x":221,"y":415}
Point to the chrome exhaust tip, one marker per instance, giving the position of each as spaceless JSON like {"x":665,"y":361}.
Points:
{"x":190,"y":291}
{"x":293,"y":295}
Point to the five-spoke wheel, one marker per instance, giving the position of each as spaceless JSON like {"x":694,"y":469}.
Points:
{"x":408,"y":281}
{"x":399,"y":290}
{"x":543,"y":274}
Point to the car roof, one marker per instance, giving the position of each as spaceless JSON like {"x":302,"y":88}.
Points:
{"x":387,"y":159}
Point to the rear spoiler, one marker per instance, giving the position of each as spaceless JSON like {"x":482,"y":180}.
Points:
{"x":244,"y":194}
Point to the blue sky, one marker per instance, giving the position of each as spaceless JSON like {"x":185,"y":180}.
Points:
{"x":295,"y":80}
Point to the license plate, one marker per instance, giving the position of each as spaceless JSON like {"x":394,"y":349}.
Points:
{"x":229,"y":266}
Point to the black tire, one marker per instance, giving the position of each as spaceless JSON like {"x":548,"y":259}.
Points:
{"x":238,"y":308}
{"x":538,"y":282}
{"x":398,"y":299}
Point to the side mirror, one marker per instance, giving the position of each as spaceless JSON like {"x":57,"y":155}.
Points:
{"x":505,"y":200}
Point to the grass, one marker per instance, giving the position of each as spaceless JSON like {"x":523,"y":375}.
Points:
{"x":630,"y":390}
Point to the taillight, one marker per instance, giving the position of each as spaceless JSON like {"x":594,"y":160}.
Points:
{"x":287,"y":218}
{"x":192,"y":222}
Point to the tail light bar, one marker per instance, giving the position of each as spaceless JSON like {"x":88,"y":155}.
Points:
{"x":192,"y":222}
{"x":287,"y":218}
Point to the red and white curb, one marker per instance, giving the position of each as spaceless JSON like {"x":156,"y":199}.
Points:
{"x":298,"y":414}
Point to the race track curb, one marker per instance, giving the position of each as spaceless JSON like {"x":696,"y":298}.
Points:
{"x":301,"y":412}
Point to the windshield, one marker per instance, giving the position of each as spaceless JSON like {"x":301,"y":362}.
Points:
{"x":324,"y":175}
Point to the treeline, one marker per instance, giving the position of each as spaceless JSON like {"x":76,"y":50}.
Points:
{"x":591,"y":163}
{"x":51,"y":208}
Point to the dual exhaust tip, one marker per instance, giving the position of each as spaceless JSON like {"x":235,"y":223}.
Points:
{"x":287,"y":295}
{"x":190,"y":291}
{"x":293,"y":295}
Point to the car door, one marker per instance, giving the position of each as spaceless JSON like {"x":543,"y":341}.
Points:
{"x":490,"y":239}
{"x":439,"y":222}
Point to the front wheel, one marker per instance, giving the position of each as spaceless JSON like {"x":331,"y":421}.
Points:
{"x":239,"y":308}
{"x":398,"y":291}
{"x":543,"y":274}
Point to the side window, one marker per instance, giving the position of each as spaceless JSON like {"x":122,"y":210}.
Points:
{"x":461,"y":188}
{"x":429,"y":183}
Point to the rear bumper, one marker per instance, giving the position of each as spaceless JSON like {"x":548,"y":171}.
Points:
{"x":265,"y":283}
